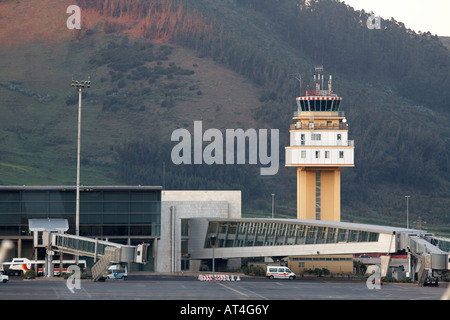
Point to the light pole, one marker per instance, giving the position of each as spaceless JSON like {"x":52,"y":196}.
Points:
{"x":407,"y":212}
{"x":80,"y":85}
{"x":273,"y":202}
{"x":213,"y":244}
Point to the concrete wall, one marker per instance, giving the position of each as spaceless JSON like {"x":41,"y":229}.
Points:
{"x":178,"y":205}
{"x":232,"y":197}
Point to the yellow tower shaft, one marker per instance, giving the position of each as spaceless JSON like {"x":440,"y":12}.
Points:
{"x":319,"y":193}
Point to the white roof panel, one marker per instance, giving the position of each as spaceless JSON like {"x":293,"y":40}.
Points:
{"x":48,"y":224}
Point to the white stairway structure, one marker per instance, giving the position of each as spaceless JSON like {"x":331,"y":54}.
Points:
{"x":106,"y":252}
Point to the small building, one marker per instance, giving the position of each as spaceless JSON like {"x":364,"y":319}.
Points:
{"x":336,"y":264}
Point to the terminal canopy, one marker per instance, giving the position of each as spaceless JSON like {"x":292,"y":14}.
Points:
{"x":58,"y":225}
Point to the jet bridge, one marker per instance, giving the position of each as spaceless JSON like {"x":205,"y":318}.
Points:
{"x":106,"y":252}
{"x":429,"y":259}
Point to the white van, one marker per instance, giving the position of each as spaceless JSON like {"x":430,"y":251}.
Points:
{"x":117,"y":271}
{"x":277,"y":272}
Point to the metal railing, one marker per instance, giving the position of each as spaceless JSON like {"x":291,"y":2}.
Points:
{"x":107,"y":252}
{"x":319,"y":93}
{"x":319,"y":114}
{"x":323,"y":143}
{"x":315,"y":126}
{"x":81,"y":245}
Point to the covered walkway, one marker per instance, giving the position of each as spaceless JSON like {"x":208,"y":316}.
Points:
{"x":237,"y":238}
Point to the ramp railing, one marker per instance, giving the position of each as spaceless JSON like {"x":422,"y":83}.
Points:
{"x":431,"y":259}
{"x":107,"y":252}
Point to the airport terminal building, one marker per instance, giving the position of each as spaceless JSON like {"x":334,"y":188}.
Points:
{"x":178,"y":227}
{"x":127,"y":215}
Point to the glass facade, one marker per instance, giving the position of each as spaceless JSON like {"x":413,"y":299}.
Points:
{"x":248,"y":234}
{"x":104,"y":212}
{"x":441,"y":243}
{"x":82,"y":245}
{"x":319,"y":104}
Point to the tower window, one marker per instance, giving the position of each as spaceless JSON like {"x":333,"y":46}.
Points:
{"x":327,"y":154}
{"x":316,"y":137}
{"x":317,"y":154}
{"x":341,"y":154}
{"x":303,"y":155}
{"x":318,"y":196}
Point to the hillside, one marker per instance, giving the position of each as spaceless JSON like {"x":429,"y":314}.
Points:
{"x":445,"y":41}
{"x":159,"y":66}
{"x":124,"y":103}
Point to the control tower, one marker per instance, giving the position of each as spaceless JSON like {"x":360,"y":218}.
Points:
{"x":319,"y":148}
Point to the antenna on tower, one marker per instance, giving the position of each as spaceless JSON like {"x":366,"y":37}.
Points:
{"x":330,"y":91}
{"x":317,"y":86}
{"x":297,"y":76}
{"x":319,"y":69}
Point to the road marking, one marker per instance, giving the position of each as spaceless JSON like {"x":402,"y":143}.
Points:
{"x":88,"y":294}
{"x":257,"y":294}
{"x":232,"y":289}
{"x":279,"y":284}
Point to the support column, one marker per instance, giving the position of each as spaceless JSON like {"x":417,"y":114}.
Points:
{"x":306,"y":194}
{"x":329,"y":198}
{"x":331,"y":195}
{"x":19,"y":248}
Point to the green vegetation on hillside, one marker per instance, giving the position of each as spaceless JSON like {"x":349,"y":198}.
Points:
{"x":394,"y":83}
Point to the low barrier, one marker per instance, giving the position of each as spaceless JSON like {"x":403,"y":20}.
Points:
{"x":218,"y":277}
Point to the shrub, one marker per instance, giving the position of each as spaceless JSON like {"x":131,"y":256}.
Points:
{"x":30,"y":274}
{"x":388,"y":279}
{"x":254,"y":271}
{"x":446,"y":277}
{"x":319,"y":272}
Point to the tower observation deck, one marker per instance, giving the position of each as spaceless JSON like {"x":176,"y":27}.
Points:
{"x":319,"y":148}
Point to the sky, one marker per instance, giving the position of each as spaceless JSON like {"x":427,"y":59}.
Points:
{"x":417,"y":15}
